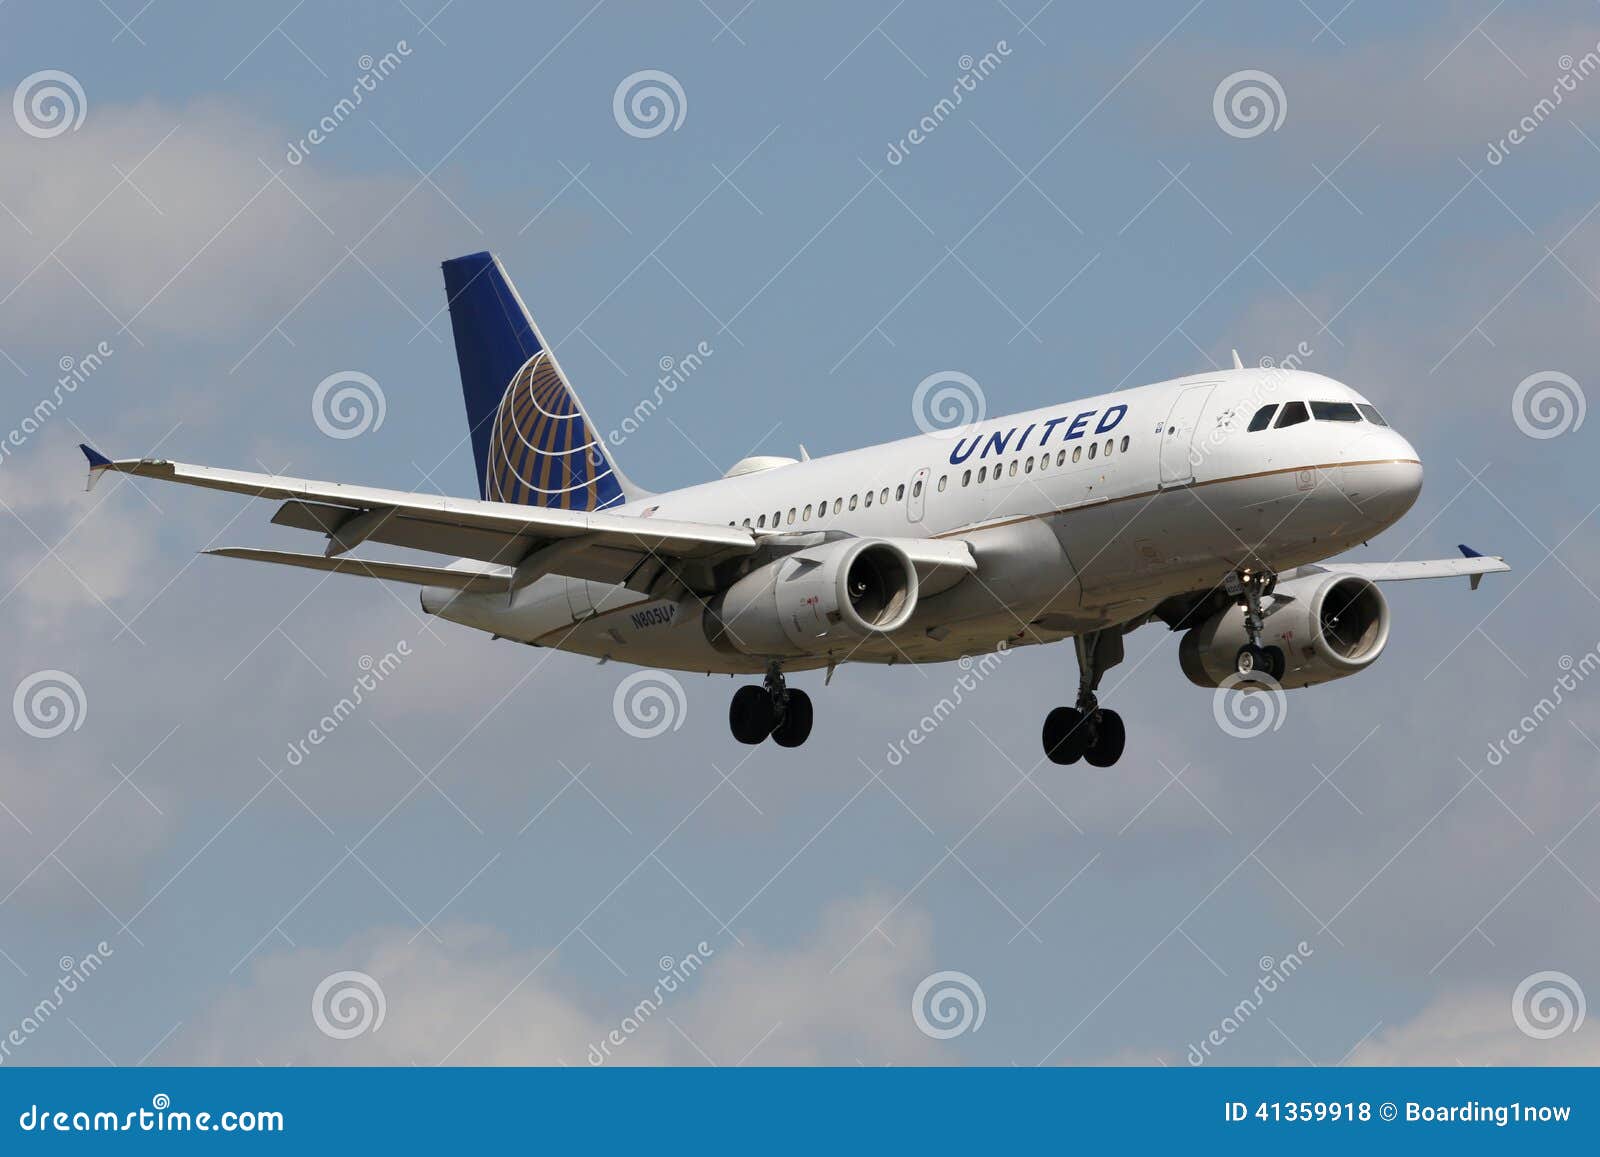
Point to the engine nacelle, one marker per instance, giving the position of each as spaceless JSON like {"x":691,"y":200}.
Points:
{"x":1328,"y":625}
{"x":815,"y":600}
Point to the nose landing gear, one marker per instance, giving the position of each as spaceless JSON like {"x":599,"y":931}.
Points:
{"x":1088,"y":731}
{"x":773,"y":709}
{"x":1254,"y":660}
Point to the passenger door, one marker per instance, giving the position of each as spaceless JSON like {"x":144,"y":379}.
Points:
{"x":1177,"y":436}
{"x":917,"y":496}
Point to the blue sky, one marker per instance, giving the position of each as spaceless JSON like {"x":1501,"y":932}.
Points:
{"x":481,"y":839}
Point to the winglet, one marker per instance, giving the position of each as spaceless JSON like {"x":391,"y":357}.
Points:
{"x":97,"y":464}
{"x":1238,"y":363}
{"x":1468,"y":552}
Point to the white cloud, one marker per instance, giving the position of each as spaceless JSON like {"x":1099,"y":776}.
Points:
{"x":479,"y":999}
{"x":172,"y":218}
{"x":1474,"y":1027}
{"x":1435,"y":95}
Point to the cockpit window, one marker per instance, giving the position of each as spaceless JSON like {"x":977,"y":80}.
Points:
{"x":1335,"y":412}
{"x":1370,"y":413}
{"x":1293,"y":414}
{"x":1263,"y":418}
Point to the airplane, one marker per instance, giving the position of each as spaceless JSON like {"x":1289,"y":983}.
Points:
{"x":1208,"y":503}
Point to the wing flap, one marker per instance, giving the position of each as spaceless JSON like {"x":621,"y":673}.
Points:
{"x":461,"y":578}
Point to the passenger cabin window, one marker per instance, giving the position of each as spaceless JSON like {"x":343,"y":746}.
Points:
{"x":1093,"y":446}
{"x":884,"y":495}
{"x":983,"y":473}
{"x":943,"y":480}
{"x":1077,"y":453}
{"x":900,"y":492}
{"x":1263,"y":418}
{"x":806,"y":516}
{"x":1124,"y":446}
{"x":966,"y":477}
{"x":1061,"y":457}
{"x":1335,"y":412}
{"x":1293,"y":414}
{"x":762,"y":521}
{"x":869,"y":498}
{"x":1370,"y":413}
{"x":852,"y":502}
{"x":791,"y":516}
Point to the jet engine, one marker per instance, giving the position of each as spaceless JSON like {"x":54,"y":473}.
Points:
{"x":816,"y":600}
{"x":1328,"y":626}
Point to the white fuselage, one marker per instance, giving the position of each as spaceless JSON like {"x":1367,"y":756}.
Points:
{"x":1175,"y":493}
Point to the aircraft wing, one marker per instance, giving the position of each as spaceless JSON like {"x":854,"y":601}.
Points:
{"x":1470,"y":565}
{"x":522,"y":543}
{"x":535,"y":540}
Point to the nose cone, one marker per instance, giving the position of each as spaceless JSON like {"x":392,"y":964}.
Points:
{"x":1394,"y":483}
{"x":1408,"y":469}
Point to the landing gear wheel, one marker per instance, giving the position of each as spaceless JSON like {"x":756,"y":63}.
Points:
{"x":1065,"y":736}
{"x":795,"y":723}
{"x":1250,"y":660}
{"x":752,"y":715}
{"x":1254,"y":662}
{"x":1109,"y":737}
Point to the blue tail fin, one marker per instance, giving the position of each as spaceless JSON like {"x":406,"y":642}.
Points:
{"x":532,"y":441}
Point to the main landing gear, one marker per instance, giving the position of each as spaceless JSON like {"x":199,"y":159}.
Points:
{"x":1088,"y":731}
{"x":772,"y":709}
{"x":1254,"y":660}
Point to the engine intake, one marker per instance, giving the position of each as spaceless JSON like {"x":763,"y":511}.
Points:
{"x":1328,"y":626}
{"x":815,"y":600}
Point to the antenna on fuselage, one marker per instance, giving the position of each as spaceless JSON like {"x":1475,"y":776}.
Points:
{"x":1237,"y":364}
